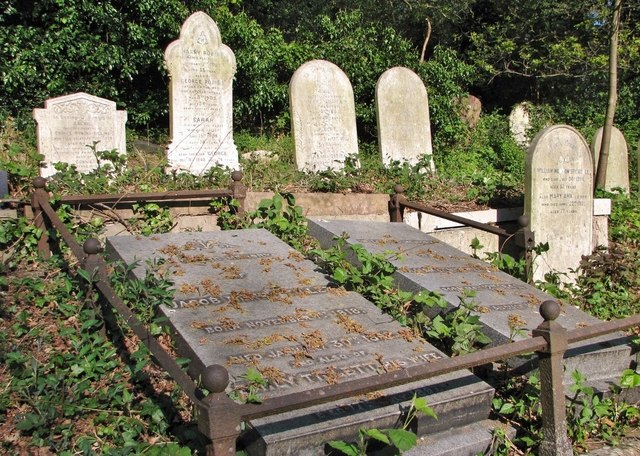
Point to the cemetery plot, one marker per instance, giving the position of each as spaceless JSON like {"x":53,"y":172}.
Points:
{"x":246,"y":300}
{"x":507,"y":307}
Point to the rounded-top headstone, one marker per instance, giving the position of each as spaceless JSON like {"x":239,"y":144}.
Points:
{"x":402,"y":106}
{"x":559,"y":198}
{"x":618,"y":161}
{"x":323,"y":116}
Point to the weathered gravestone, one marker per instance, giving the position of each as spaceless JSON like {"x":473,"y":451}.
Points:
{"x":618,"y":161}
{"x":244,"y":299}
{"x":323,"y":116}
{"x":559,"y":198}
{"x":200,"y":98}
{"x":519,"y":124}
{"x":506,"y":306}
{"x":404,"y":129}
{"x":68,"y":127}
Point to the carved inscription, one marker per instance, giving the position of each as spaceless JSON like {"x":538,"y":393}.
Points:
{"x":563,"y":189}
{"x":486,"y":286}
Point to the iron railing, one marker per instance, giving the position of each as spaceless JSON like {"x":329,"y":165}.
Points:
{"x":523,"y":238}
{"x":219,"y":418}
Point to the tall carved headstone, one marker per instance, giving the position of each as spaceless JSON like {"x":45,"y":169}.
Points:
{"x":323,"y":116}
{"x":200,"y":98}
{"x":618,"y":162}
{"x":404,"y":129}
{"x":559,"y":197}
{"x":68,"y":126}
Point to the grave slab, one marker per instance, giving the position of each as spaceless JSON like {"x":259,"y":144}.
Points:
{"x":507,"y":307}
{"x":245,"y":299}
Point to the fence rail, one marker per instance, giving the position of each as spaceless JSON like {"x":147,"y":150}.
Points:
{"x":219,"y":418}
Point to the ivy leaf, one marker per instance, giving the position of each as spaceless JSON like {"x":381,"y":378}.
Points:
{"x":349,"y":449}
{"x":377,"y":435}
{"x":401,"y":439}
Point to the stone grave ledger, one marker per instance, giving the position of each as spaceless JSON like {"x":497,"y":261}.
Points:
{"x":244,"y":299}
{"x":323,"y":116}
{"x":559,"y":198}
{"x":618,"y":161}
{"x":201,"y":69}
{"x":402,"y":106}
{"x":507,"y":307}
{"x":68,"y":126}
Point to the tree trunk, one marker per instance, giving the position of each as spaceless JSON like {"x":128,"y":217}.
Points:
{"x":601,"y":174}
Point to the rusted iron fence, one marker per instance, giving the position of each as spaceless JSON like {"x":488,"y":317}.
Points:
{"x":219,"y":418}
{"x":523,"y":238}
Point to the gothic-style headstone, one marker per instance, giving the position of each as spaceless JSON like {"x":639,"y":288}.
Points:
{"x":246,"y":300}
{"x":323,"y":116}
{"x":559,"y":198}
{"x":68,"y":127}
{"x":618,"y":161}
{"x":200,"y":98}
{"x":402,"y":105}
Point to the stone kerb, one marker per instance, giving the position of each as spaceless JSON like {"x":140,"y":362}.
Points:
{"x":201,"y":69}
{"x":402,"y":105}
{"x":68,"y":127}
{"x":323,"y":116}
{"x":618,"y":162}
{"x":559,"y":198}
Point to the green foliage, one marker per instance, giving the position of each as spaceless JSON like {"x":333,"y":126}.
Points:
{"x":18,"y":240}
{"x":249,"y":390}
{"x":400,"y":438}
{"x":151,"y":218}
{"x":458,"y":331}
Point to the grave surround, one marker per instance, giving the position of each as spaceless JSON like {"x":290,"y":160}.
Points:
{"x":504,"y":303}
{"x":245,"y":299}
{"x":69,"y":125}
{"x":201,"y":69}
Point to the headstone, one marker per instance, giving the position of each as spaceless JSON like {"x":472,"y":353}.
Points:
{"x":519,"y":124}
{"x":618,"y":161}
{"x":4,"y":184}
{"x":471,"y":108}
{"x":323,"y":116}
{"x":244,"y":299}
{"x":201,"y":69}
{"x":559,"y":198}
{"x":69,"y":125}
{"x":507,"y":307}
{"x":402,"y":105}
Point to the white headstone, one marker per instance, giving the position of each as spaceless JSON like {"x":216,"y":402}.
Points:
{"x":404,"y":129}
{"x":559,"y":197}
{"x":618,"y":161}
{"x":68,"y":126}
{"x":200,"y":98}
{"x":519,"y":124}
{"x":323,"y":116}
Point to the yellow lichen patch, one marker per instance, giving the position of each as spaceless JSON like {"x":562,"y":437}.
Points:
{"x":188,"y":288}
{"x":350,"y":325}
{"x":199,"y":324}
{"x":210,"y":288}
{"x":273,"y":374}
{"x":329,"y":375}
{"x":313,"y":340}
{"x":231,"y":272}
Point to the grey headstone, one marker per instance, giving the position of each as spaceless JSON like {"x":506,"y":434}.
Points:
{"x":245,"y":299}
{"x":618,"y":161}
{"x":200,"y":98}
{"x":559,"y":198}
{"x":4,"y":184}
{"x":68,"y":125}
{"x":404,"y":128}
{"x":323,"y":116}
{"x":425,"y":263}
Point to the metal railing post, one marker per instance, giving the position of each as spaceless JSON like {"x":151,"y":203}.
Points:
{"x":524,"y":238}
{"x":219,"y":420}
{"x":91,"y":263}
{"x":39,"y":184}
{"x":555,"y":441}
{"x":396,"y":209}
{"x":238,"y":189}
